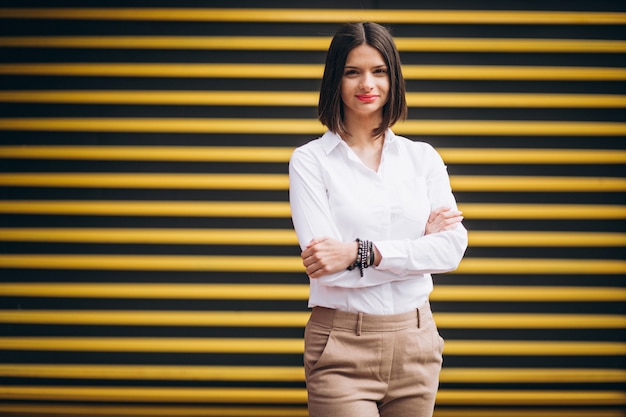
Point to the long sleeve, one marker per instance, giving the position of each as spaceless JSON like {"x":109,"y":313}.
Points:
{"x":434,"y":253}
{"x":312,"y":216}
{"x":310,"y":210}
{"x":333,"y":194}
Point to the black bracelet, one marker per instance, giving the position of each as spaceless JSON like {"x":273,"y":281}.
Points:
{"x":364,"y":256}
{"x":355,"y":264}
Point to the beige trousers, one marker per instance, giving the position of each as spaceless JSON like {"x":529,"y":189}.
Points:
{"x":361,"y":365}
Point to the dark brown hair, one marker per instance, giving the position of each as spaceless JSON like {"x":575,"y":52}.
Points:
{"x":330,"y":107}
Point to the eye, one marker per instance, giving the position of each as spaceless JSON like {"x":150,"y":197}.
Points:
{"x":380,"y":71}
{"x":350,"y":73}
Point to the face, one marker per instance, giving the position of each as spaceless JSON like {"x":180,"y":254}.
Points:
{"x":365,"y":82}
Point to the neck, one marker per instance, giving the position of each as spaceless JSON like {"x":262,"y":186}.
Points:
{"x":360,"y":130}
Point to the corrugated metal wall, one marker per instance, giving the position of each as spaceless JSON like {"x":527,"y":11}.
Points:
{"x":149,"y":265}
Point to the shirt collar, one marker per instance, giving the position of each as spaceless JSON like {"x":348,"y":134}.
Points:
{"x":331,"y":140}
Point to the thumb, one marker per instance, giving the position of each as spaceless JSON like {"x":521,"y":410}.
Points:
{"x":315,"y":241}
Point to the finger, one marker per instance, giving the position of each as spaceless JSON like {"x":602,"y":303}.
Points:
{"x":445,"y":221}
{"x":450,"y":227}
{"x":435,"y":213}
{"x":317,"y":240}
{"x":451,"y":223}
{"x":450,"y":213}
{"x":311,"y":247}
{"x":448,"y":216}
{"x":315,"y":271}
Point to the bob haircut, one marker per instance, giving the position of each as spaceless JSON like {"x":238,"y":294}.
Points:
{"x":330,"y":108}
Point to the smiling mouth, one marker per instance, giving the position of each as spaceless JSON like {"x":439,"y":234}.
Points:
{"x":367,"y":97}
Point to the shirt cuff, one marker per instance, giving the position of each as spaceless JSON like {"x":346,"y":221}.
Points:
{"x":394,"y":256}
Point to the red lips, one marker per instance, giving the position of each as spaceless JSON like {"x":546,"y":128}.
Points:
{"x":367,"y":98}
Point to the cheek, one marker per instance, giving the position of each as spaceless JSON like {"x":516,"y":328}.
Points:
{"x":347,"y":90}
{"x":343,"y":89}
{"x":385,"y":85}
{"x":346,"y":87}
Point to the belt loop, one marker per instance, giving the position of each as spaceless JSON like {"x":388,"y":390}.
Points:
{"x":418,"y":318}
{"x":359,"y":323}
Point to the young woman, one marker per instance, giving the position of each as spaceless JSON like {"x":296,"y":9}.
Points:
{"x":375,"y":217}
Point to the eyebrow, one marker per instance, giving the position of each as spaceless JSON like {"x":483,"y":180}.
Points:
{"x":357,"y":67}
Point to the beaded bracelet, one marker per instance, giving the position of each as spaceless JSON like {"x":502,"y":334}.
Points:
{"x":364,"y":255}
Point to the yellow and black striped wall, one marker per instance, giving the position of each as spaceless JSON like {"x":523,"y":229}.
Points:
{"x":148,"y":263}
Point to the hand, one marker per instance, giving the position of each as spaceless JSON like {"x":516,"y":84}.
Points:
{"x":324,"y":256}
{"x":443,"y":219}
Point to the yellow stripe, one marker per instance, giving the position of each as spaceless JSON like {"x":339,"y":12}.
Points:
{"x":214,"y":98}
{"x":156,"y":263}
{"x":542,"y":211}
{"x":295,"y":346}
{"x":281,"y":182}
{"x":514,"y":100}
{"x":195,"y":70}
{"x":415,"y":44}
{"x":163,"y":153}
{"x":540,"y":266}
{"x":263,"y":43}
{"x":81,"y":410}
{"x":156,"y":208}
{"x":313,"y":127}
{"x":306,"y":98}
{"x":529,"y":375}
{"x":249,"y":126}
{"x":282,"y":154}
{"x":522,"y":397}
{"x":529,"y":321}
{"x":518,"y":293}
{"x":307,"y":71}
{"x":531,"y":183}
{"x":85,"y":410}
{"x":293,"y":264}
{"x":529,"y":156}
{"x":281,"y":209}
{"x":161,"y":318}
{"x":155,"y":236}
{"x":299,"y":319}
{"x":182,"y":345}
{"x":300,"y":292}
{"x":155,"y":394}
{"x":322,"y":15}
{"x":521,"y":412}
{"x":168,"y":291}
{"x":196,"y":373}
{"x":532,"y":239}
{"x":532,"y":348}
{"x":294,"y":395}
{"x":287,"y":373}
{"x":318,"y":43}
{"x":285,"y":237}
{"x":152,"y":180}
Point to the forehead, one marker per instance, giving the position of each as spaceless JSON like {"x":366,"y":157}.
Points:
{"x":364,"y":55}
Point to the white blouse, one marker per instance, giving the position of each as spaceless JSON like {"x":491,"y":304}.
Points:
{"x":333,"y":194}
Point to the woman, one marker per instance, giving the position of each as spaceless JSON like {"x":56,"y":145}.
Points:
{"x":375,"y":217}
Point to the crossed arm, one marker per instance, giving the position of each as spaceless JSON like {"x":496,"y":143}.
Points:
{"x":324,"y":256}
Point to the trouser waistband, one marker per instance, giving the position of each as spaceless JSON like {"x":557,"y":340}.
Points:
{"x":362,"y":322}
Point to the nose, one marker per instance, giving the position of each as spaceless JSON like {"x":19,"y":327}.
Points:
{"x":366,"y":82}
